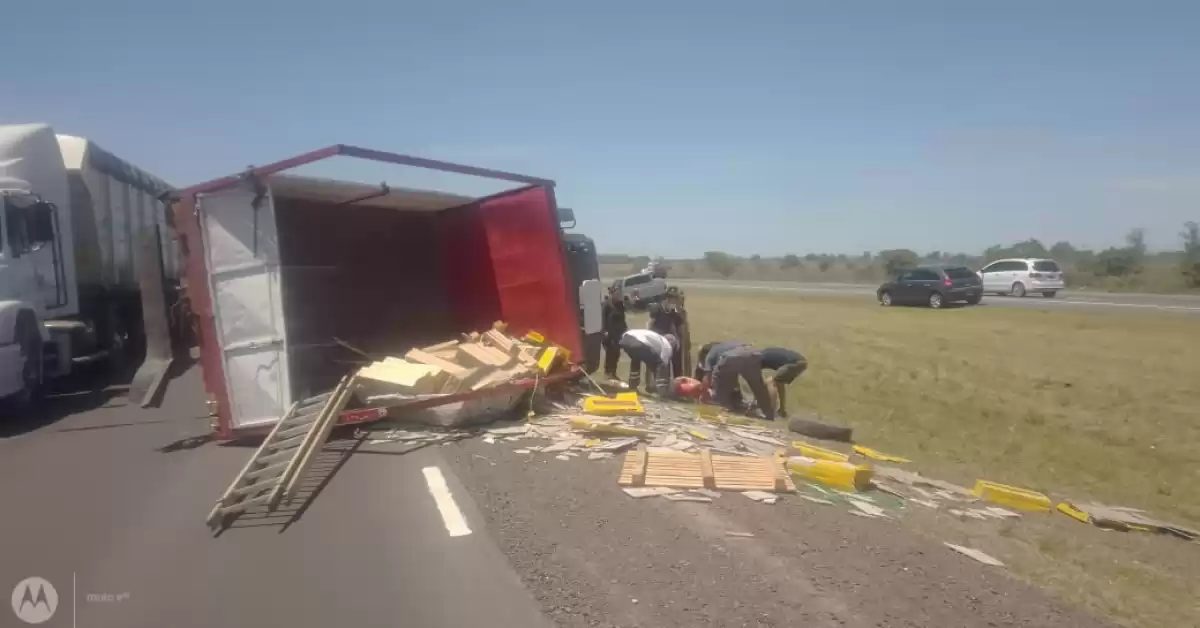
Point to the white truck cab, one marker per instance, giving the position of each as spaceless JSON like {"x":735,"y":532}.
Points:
{"x":70,"y":215}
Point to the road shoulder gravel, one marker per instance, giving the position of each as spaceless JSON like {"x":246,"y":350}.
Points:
{"x":595,"y":557}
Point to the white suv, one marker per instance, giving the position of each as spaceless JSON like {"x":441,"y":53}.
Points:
{"x":1019,"y":277}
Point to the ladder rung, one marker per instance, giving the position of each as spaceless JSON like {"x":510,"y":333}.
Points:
{"x":314,"y":401}
{"x":265,"y":471}
{"x":241,"y":506}
{"x":303,"y":417}
{"x":289,"y":442}
{"x":286,"y":454}
{"x":283,"y":435}
{"x":257,"y":487}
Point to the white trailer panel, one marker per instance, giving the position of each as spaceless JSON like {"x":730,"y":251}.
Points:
{"x":113,"y":203}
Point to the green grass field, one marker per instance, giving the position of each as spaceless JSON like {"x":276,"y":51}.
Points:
{"x":1082,"y":405}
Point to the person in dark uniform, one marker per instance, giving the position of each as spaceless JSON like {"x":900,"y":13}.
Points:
{"x":613,"y":324}
{"x":788,"y":365}
{"x":668,"y":321}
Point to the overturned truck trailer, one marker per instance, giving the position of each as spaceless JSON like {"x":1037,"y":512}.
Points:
{"x":279,"y":265}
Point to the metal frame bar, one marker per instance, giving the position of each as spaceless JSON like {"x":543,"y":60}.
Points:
{"x":358,"y":153}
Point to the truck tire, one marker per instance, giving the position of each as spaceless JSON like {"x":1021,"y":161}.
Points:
{"x":29,"y":338}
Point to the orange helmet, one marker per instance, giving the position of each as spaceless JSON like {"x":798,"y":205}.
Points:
{"x":687,"y":387}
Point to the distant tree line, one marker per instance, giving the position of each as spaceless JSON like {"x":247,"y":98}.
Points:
{"x":1129,"y":266}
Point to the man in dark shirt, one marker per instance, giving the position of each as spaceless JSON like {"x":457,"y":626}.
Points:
{"x":668,"y":321}
{"x":788,"y":365}
{"x":613,"y":324}
{"x":710,"y":353}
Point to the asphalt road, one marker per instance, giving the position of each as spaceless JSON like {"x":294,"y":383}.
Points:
{"x":93,"y":505}
{"x":1067,"y":300}
{"x":106,"y":502}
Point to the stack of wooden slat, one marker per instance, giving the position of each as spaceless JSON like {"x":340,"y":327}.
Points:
{"x":475,"y":361}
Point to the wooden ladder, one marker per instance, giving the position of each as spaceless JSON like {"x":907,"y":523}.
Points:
{"x":274,"y":472}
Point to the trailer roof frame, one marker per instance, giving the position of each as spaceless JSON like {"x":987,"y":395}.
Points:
{"x":357,"y":152}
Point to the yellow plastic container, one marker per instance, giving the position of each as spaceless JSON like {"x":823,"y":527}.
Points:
{"x":843,"y":475}
{"x":1071,"y":511}
{"x":548,"y":359}
{"x":820,"y":453}
{"x":624,"y":403}
{"x":534,"y":337}
{"x":1012,"y":496}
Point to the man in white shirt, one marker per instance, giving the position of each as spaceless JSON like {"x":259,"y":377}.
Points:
{"x":655,"y":350}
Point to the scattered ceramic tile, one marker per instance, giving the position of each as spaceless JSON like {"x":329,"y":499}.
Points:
{"x":707,"y":492}
{"x":1002,"y":513}
{"x":599,"y":455}
{"x":648,"y":491}
{"x":686,"y":497}
{"x":562,"y":457}
{"x":508,"y":431}
{"x":924,"y":502}
{"x":740,"y":535}
{"x":762,"y":496}
{"x":815,"y":500}
{"x":870,"y":510}
{"x":522,"y":451}
{"x":976,"y":554}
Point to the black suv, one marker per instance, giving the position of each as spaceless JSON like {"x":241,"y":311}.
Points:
{"x":934,"y":286}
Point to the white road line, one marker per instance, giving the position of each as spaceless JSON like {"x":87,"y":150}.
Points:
{"x":456,"y":523}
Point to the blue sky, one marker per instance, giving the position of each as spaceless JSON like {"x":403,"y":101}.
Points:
{"x":671,"y":127}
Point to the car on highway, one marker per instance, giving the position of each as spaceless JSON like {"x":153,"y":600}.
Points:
{"x":1019,"y":277}
{"x":934,"y":286}
{"x":640,"y":289}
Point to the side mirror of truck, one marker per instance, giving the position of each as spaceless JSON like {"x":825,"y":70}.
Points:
{"x":41,"y":223}
{"x":565,"y":216}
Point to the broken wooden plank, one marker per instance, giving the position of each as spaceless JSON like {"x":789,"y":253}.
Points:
{"x":498,"y":340}
{"x":477,"y":354}
{"x":455,"y":370}
{"x":641,"y":462}
{"x":412,"y":377}
{"x":441,"y":346}
{"x":706,"y":470}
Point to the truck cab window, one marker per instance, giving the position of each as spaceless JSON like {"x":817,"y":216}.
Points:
{"x":15,"y":221}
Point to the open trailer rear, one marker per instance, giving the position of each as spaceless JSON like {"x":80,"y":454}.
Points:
{"x":279,"y":265}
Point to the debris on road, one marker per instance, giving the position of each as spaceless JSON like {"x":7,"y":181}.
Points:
{"x":820,"y":453}
{"x":275,"y":471}
{"x":843,"y":475}
{"x":740,"y":535}
{"x":815,"y":500}
{"x":704,"y":470}
{"x":762,"y":497}
{"x":1012,"y":496}
{"x":688,"y":497}
{"x":1126,"y":519}
{"x":975,"y":554}
{"x":868,"y":509}
{"x":875,"y":454}
{"x":648,"y":491}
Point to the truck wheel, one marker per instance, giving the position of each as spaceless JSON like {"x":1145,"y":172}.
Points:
{"x":30,"y":341}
